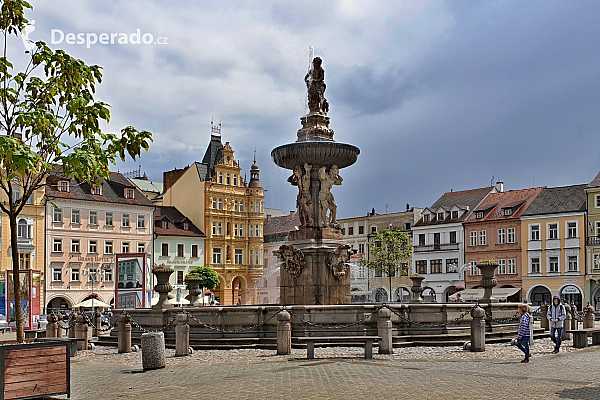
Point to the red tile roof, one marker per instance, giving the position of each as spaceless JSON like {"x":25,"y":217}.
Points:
{"x":518,"y":200}
{"x":175,"y":220}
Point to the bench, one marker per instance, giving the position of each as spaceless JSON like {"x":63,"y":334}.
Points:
{"x":35,"y":333}
{"x":580,"y":336}
{"x":311,"y":340}
{"x":73,"y":342}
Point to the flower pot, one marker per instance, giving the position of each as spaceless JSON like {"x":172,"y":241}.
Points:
{"x":195,"y":291}
{"x":416,"y":289}
{"x":163,"y":287}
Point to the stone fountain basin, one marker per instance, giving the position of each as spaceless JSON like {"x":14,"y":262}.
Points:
{"x":317,"y":153}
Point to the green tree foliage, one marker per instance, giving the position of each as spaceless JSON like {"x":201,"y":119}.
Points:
{"x":210,"y":279}
{"x":389,"y":251}
{"x":49,"y":117}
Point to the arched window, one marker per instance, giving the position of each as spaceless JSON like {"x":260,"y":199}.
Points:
{"x":22,"y":229}
{"x":220,"y":177}
{"x":234,"y":179}
{"x":228,"y":179}
{"x":220,"y":204}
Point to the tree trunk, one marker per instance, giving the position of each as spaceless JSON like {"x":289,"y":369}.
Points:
{"x":16,"y":280}
{"x":391,"y":294}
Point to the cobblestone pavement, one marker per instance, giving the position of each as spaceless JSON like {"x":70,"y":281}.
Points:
{"x":341,"y":373}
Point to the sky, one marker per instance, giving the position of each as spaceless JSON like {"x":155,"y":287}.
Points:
{"x":438,"y":95}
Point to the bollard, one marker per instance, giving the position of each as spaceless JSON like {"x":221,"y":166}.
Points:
{"x":574,"y":320}
{"x":59,"y":330}
{"x":545,"y":324}
{"x":478,"y":329}
{"x":182,"y":336}
{"x":153,"y":350}
{"x":81,"y":332}
{"x":384,"y":329}
{"x":71,"y":325}
{"x":589,"y":318}
{"x":97,"y":321}
{"x":284,"y":333}
{"x":124,"y":334}
{"x":52,"y":327}
{"x":567,"y":323}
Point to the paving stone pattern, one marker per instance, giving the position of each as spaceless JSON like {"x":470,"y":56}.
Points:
{"x":341,"y":373}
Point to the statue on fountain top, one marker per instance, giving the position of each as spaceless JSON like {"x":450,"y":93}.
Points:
{"x":315,"y":83}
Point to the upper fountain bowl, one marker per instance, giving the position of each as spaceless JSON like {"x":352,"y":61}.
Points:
{"x":316,"y":153}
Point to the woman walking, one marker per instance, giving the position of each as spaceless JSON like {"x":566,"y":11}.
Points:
{"x":524,"y":331}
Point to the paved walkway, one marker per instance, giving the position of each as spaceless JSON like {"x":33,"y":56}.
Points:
{"x":572,"y":375}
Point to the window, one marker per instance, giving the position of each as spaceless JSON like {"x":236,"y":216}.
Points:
{"x":186,"y":226}
{"x":235,"y":180}
{"x":482,"y":238}
{"x":220,"y":177}
{"x":454,"y":214}
{"x":180,"y":277}
{"x":440,"y":216}
{"x":436,"y":266}
{"x":164,"y":223}
{"x":534,"y":232}
{"x":361,"y":230}
{"x":512,"y":266}
{"x":453,"y":237}
{"x":22,"y":229}
{"x":214,"y":228}
{"x":180,"y":250}
{"x":350,"y":230}
{"x":228,"y":179}
{"x":473,"y":238}
{"x":195,"y":250}
{"x":572,"y":264}
{"x":510,"y":233}
{"x":92,"y":275}
{"x":24,"y":260}
{"x":214,"y":203}
{"x":241,"y":230}
{"x":534,"y":265}
{"x":236,"y":205}
{"x":16,"y":193}
{"x":421,"y":266}
{"x":109,"y":219}
{"x":93,"y":218}
{"x":598,"y":201}
{"x":142,"y":222}
{"x":361,"y":248}
{"x":452,"y":265}
{"x":373,"y":229}
{"x":219,"y":228}
{"x":57,"y":245}
{"x":501,"y":236}
{"x":501,"y":267}
{"x":75,"y":219}
{"x":251,"y":256}
{"x":421,"y":239}
{"x":164,"y":251}
{"x":257,"y":230}
{"x":571,"y":229}
{"x":129,"y":193}
{"x":141,"y":248}
{"x":507,"y":212}
{"x":241,"y":206}
{"x":479,"y":214}
{"x":108,"y":247}
{"x":93,"y":246}
{"x":553,"y":265}
{"x":97,"y":190}
{"x":256,"y":257}
{"x":552,"y":231}
{"x":125,"y":220}
{"x":596,"y":263}
{"x":236,"y":230}
{"x":220,"y":204}
{"x":125,"y":247}
{"x":407,"y":226}
{"x":63,"y":186}
{"x":426,"y":218}
{"x":56,"y":274}
{"x":74,"y":245}
{"x":108,"y":275}
{"x":216,"y":256}
{"x":57,"y":217}
{"x":239,"y":256}
{"x":74,"y":274}
{"x":473,"y":268}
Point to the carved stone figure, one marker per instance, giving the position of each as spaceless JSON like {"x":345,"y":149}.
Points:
{"x":304,"y":199}
{"x":326,"y":199}
{"x":315,"y":83}
{"x":338,"y":261}
{"x":292,"y":258}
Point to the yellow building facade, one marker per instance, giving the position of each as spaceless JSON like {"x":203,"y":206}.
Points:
{"x":593,"y":242}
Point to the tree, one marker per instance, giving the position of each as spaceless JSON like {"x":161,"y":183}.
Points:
{"x":388,"y":252}
{"x":209,"y":279}
{"x":49,"y":120}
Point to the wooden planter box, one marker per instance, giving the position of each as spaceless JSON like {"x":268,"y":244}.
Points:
{"x":35,"y":369}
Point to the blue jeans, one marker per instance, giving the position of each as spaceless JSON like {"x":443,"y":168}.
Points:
{"x":556,"y":336}
{"x":523,"y":344}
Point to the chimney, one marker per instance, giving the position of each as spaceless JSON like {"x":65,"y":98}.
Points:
{"x":170,"y":177}
{"x":292,"y":214}
{"x":500,"y":186}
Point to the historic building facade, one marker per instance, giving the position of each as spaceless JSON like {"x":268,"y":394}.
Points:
{"x":439,"y":241}
{"x":493,"y":231}
{"x":229,"y":210}
{"x":592,"y":244}
{"x":85,"y":227}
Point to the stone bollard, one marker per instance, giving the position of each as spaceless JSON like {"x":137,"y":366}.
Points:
{"x":124,"y":334}
{"x":81,"y":332}
{"x":97,"y":321}
{"x":567,"y":323}
{"x":52,"y":326}
{"x":589,"y":318}
{"x":384,"y":329}
{"x":59,"y":330}
{"x":71,"y":325}
{"x":478,"y":329}
{"x":284,"y":333}
{"x":544,"y":323}
{"x":182,"y":336}
{"x":153,"y":350}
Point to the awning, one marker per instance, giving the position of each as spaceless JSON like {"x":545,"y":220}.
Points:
{"x":89,"y":303}
{"x":475,"y":294}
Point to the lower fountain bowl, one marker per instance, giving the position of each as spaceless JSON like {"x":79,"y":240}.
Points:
{"x":321,"y":153}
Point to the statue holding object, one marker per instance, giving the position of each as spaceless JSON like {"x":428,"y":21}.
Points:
{"x":326,"y":199}
{"x":315,"y":83}
{"x":304,"y":200}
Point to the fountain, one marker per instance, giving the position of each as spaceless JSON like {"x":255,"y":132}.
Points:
{"x":315,"y":267}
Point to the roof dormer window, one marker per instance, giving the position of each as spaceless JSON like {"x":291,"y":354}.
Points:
{"x":440,"y":216}
{"x":479,"y":214}
{"x":186,"y":226}
{"x":454,"y":214}
{"x":128,"y":193}
{"x":63,"y":186}
{"x":426,"y":218}
{"x":97,"y":190}
{"x":164,"y":224}
{"x":507,"y":212}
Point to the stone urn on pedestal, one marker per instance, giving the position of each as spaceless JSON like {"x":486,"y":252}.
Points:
{"x":488,"y":279}
{"x":163,"y":286}
{"x":195,"y":291}
{"x":416,"y":288}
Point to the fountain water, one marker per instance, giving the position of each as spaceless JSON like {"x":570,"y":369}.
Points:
{"x":315,"y":269}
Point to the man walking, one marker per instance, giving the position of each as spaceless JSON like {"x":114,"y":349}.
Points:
{"x":556,"y":315}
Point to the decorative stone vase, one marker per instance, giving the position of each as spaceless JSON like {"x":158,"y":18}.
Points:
{"x":488,"y":280}
{"x":195,"y":291}
{"x":163,"y":287}
{"x":416,"y":289}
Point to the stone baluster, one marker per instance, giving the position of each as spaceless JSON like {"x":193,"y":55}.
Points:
{"x":182,"y":336}
{"x":384,"y":329}
{"x":81,"y":332}
{"x":567,"y":323}
{"x":478,"y":329}
{"x":124,"y":334}
{"x":284,"y":333}
{"x":544,"y":323}
{"x":52,"y":327}
{"x":590,"y":317}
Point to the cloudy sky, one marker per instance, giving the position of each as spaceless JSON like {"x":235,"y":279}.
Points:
{"x":437,"y":95}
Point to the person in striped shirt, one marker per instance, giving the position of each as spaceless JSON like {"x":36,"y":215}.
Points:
{"x":524,"y":332}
